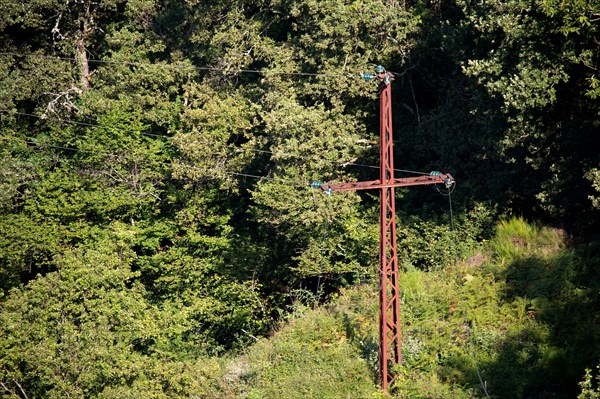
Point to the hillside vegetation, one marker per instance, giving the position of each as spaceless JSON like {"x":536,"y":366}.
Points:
{"x":160,"y":237}
{"x":515,"y":320}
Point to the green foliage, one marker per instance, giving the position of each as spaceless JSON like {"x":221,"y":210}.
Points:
{"x":545,"y":275}
{"x":437,"y":242}
{"x":74,"y":331}
{"x":577,"y":15}
{"x":210,"y":125}
{"x":465,"y":330}
{"x":594,"y":176}
{"x":89,"y":330}
{"x":155,"y":205}
{"x":500,"y":94}
{"x":588,"y":391}
{"x":515,"y":238}
{"x":309,"y":358}
{"x":498,"y":319}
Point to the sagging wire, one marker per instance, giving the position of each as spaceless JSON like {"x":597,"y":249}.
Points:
{"x":482,"y":383}
{"x":226,"y":172}
{"x":318,"y":291}
{"x":236,"y":149}
{"x":199,"y":68}
{"x":185,"y":67}
{"x":451,"y":186}
{"x":86,"y":124}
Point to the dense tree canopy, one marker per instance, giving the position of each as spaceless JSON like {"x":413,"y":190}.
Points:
{"x":155,"y":200}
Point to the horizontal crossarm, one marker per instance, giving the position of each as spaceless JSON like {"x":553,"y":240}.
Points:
{"x":396,"y":182}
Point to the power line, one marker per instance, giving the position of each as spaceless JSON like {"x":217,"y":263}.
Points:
{"x":236,"y":149}
{"x":287,"y":181}
{"x":470,"y":339}
{"x":201,"y":68}
{"x":91,"y":125}
{"x":191,"y":67}
{"x":205,"y":68}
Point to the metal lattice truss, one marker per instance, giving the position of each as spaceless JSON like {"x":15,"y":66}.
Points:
{"x":390,"y":337}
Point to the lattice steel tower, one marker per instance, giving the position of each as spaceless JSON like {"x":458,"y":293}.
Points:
{"x":390,"y":337}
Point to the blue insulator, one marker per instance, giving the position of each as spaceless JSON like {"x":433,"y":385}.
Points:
{"x":379,"y":69}
{"x":435,"y":173}
{"x":367,"y":76}
{"x":316,"y":184}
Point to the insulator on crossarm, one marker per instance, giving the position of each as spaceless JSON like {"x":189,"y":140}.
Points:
{"x":367,"y":76}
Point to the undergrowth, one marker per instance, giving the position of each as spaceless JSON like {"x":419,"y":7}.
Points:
{"x":516,"y":319}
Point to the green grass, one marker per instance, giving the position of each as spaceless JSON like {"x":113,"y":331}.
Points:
{"x":516,"y":238}
{"x":313,"y":356}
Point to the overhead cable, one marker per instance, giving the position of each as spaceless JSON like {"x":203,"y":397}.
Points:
{"x":227,"y":172}
{"x":237,"y":149}
{"x":191,"y":67}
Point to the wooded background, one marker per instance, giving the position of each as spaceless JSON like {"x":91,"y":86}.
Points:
{"x":155,"y":200}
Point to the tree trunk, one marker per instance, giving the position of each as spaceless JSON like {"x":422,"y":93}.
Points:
{"x":82,"y":60}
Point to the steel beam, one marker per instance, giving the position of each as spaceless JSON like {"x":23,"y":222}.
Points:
{"x":390,"y":340}
{"x":397,"y":182}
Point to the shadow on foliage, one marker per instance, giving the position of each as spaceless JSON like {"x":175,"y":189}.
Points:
{"x":545,"y":356}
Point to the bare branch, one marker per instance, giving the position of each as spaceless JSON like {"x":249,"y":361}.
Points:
{"x":21,"y":389}
{"x":5,"y":387}
{"x":61,"y":100}
{"x":56,"y":31}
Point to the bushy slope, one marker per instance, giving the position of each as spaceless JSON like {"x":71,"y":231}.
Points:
{"x":516,"y":319}
{"x":501,"y":323}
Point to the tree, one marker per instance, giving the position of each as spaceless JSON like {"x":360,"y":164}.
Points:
{"x":74,"y":331}
{"x":503,"y":96}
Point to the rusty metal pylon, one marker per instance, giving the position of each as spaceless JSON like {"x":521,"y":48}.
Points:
{"x":390,"y":337}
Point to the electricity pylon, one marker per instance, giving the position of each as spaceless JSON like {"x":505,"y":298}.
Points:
{"x":390,"y":339}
